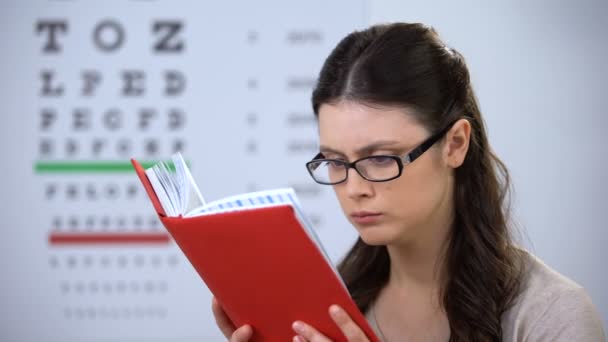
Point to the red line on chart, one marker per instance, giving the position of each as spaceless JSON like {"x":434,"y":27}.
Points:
{"x":86,"y":238}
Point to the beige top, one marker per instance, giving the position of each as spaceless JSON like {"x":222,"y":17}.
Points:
{"x":550,"y":307}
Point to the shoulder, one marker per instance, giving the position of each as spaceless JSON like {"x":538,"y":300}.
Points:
{"x":550,"y":307}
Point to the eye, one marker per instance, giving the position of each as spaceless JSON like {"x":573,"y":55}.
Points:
{"x":334,"y":163}
{"x":381,"y":160}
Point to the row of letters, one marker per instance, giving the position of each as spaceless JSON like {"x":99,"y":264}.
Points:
{"x":134,"y":222}
{"x":109,"y":36}
{"x":132,"y":83}
{"x":101,"y":147}
{"x":113,"y":119}
{"x":92,"y":261}
{"x":90,"y":191}
{"x":92,"y":313}
{"x":118,"y":287}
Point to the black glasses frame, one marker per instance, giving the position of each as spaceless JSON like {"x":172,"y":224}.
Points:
{"x":401,"y":160}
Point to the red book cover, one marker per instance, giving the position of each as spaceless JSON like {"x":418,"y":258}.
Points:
{"x":263,"y":268}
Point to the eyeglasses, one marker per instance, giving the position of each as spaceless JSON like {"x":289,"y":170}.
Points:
{"x":376,"y":168}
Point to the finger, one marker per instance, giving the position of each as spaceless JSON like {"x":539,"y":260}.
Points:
{"x":221,"y":319}
{"x":242,"y":334}
{"x":299,"y":338}
{"x":349,"y":328}
{"x":307,"y":332}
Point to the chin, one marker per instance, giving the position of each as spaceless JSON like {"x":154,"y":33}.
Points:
{"x":375,"y":236}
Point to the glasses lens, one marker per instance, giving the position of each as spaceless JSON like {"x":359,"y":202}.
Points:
{"x":378,"y":168}
{"x":327,"y":171}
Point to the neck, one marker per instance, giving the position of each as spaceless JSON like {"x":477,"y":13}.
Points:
{"x":417,"y":265}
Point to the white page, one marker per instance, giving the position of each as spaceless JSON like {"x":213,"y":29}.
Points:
{"x":244,"y":201}
{"x":191,"y":195}
{"x":160,"y":191}
{"x":170,"y":181}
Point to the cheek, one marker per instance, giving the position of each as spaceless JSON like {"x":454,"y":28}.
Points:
{"x":342,"y":197}
{"x":417,"y":193}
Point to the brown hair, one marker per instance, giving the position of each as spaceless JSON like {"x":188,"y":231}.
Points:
{"x":408,"y":65}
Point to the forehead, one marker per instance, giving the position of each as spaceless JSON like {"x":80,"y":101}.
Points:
{"x":353,"y":124}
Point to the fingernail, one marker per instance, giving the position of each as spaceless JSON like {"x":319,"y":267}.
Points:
{"x":334,"y":310}
{"x":298,"y":327}
{"x":297,"y":339}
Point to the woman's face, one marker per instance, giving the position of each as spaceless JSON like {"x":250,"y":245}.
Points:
{"x":400,"y":210}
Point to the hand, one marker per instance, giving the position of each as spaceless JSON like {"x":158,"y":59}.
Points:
{"x":242,"y":334}
{"x":350,"y":329}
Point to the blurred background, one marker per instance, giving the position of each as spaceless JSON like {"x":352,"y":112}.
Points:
{"x":85,"y":85}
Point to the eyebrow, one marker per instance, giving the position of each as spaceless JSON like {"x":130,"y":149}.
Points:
{"x":365,"y":149}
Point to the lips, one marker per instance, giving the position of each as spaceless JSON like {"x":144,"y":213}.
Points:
{"x":365,"y":217}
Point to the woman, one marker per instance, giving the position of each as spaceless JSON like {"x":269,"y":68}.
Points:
{"x":403,"y":144}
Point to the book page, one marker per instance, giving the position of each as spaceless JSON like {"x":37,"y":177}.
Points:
{"x":190,"y":195}
{"x":162,"y":192}
{"x":168,"y":181}
{"x":179,"y":180}
{"x":244,"y":201}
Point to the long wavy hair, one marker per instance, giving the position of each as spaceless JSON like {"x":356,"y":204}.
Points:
{"x":408,"y":65}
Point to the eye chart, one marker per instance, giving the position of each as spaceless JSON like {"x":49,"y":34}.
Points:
{"x":88,"y":85}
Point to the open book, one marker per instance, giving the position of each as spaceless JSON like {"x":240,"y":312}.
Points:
{"x":180,"y":196}
{"x":256,"y":252}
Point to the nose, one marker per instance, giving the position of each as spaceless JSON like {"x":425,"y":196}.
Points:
{"x":356,"y":186}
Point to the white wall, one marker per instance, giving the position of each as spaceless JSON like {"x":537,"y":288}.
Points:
{"x":539,"y":69}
